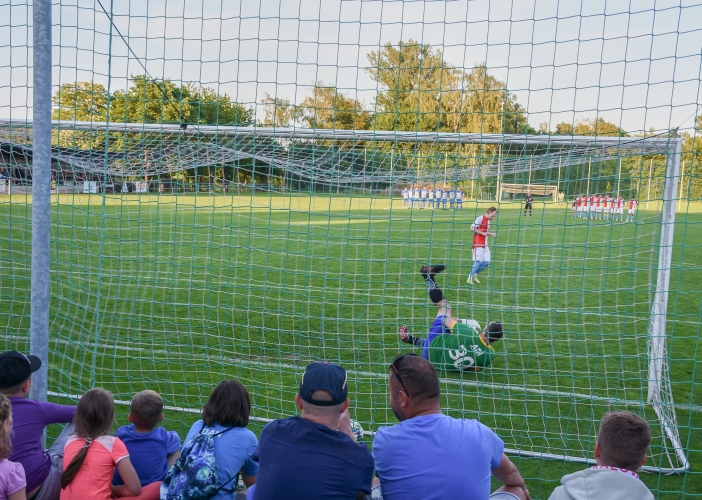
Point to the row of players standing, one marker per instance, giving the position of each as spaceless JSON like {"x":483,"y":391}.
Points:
{"x":428,"y":198}
{"x":603,"y":207}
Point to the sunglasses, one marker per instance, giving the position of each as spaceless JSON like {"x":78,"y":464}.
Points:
{"x":397,"y":373}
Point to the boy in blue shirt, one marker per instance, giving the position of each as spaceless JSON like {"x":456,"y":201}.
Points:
{"x":152,"y":449}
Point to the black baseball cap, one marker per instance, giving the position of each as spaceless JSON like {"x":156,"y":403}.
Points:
{"x":324,"y":376}
{"x":15,"y":368}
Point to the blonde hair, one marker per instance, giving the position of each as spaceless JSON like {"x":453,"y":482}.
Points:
{"x":5,"y":413}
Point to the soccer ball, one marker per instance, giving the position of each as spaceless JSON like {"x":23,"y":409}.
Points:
{"x":357,"y":430}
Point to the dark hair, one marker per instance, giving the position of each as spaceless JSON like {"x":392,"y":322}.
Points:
{"x":491,"y":209}
{"x":494,"y":332}
{"x":229,"y":404}
{"x":94,"y":415}
{"x":5,"y":413}
{"x":419,"y":376}
{"x":146,"y":409}
{"x":624,"y":438}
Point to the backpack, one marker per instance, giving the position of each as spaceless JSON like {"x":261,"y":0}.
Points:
{"x":194,"y":475}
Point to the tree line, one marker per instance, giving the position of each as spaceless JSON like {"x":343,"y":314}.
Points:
{"x":417,"y":91}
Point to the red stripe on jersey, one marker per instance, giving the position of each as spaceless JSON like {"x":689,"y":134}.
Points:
{"x":481,"y":223}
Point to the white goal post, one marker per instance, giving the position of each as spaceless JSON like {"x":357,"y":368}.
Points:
{"x":381,"y":160}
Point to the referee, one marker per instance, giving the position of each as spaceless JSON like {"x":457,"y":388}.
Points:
{"x":527,"y":205}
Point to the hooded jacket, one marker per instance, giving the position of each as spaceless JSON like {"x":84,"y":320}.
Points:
{"x":601,"y":484}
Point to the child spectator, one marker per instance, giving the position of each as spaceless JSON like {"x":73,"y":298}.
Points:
{"x":226,"y":416}
{"x":42,"y":468}
{"x":91,"y":455}
{"x":12,"y":481}
{"x":620,"y":450}
{"x":152,"y":449}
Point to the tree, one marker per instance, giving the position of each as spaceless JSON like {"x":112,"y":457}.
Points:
{"x":278,"y":112}
{"x":148,"y":100}
{"x":598,"y":126}
{"x":211,"y":108}
{"x":328,"y":108}
{"x":420,"y":91}
{"x":80,"y":101}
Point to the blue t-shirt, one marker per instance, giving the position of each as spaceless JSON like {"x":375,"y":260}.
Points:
{"x":434,"y":457}
{"x":233,"y":450}
{"x":148,"y":452}
{"x":301,"y":459}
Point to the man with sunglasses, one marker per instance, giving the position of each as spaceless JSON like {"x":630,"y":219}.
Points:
{"x":453,"y":344}
{"x":432,"y":456}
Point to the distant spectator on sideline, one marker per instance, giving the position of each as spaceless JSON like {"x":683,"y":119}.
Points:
{"x":620,"y":450}
{"x":314,"y":455}
{"x":152,"y":449}
{"x":43,"y":468}
{"x":431,"y":456}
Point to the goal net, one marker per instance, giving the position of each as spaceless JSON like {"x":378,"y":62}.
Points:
{"x":184,"y":255}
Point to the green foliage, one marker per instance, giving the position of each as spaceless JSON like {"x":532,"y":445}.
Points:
{"x":148,"y":100}
{"x":278,"y":112}
{"x":328,"y":108}
{"x":422,"y":92}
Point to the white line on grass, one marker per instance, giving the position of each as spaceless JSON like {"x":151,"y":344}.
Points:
{"x":461,"y":383}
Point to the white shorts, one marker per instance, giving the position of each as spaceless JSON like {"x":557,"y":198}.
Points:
{"x":607,"y":210}
{"x":598,"y":210}
{"x":586,"y":208}
{"x":481,"y":254}
{"x":631,"y":211}
{"x":620,"y":210}
{"x":578,"y":209}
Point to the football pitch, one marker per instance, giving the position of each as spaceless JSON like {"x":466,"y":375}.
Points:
{"x":175,"y":293}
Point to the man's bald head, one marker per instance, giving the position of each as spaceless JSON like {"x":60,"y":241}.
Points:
{"x":419,"y":378}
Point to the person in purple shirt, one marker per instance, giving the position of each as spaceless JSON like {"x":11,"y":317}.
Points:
{"x":43,"y":468}
{"x":432,"y":456}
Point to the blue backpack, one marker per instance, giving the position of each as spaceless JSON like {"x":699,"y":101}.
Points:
{"x":194,"y":476}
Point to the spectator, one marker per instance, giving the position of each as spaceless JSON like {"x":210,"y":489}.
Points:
{"x":42,"y":467}
{"x":152,"y":449}
{"x":314,"y":455}
{"x":12,"y":481}
{"x":225,"y":416}
{"x":430,"y":455}
{"x":620,"y":450}
{"x":92,"y":455}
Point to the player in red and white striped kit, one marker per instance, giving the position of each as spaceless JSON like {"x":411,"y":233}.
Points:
{"x":632,"y":209}
{"x":608,"y":206}
{"x":598,"y":206}
{"x":619,"y":211}
{"x":481,"y":252}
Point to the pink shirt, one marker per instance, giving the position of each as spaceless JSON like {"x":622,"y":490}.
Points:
{"x":95,"y":476}
{"x":11,"y":478}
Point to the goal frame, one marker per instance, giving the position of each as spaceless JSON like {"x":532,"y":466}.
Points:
{"x":659,"y":392}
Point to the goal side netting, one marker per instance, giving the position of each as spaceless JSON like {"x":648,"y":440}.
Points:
{"x":182,"y":255}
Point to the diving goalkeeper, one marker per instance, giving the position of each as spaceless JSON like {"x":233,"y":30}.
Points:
{"x":453,"y":344}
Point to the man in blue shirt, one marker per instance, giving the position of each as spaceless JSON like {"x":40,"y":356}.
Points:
{"x":432,"y":456}
{"x":314,"y":455}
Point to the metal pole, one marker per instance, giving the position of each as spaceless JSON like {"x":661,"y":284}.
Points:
{"x":659,"y":391}
{"x":682,"y":178}
{"x":619,"y":176}
{"x":589,"y":174}
{"x":41,"y":195}
{"x":558,"y":182}
{"x":650,"y":174}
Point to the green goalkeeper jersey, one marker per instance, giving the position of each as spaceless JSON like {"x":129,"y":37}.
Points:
{"x":462,"y":349}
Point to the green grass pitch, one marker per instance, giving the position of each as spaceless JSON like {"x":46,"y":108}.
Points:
{"x":174,"y":293}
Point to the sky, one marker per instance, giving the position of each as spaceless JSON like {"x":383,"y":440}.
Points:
{"x":635,"y":63}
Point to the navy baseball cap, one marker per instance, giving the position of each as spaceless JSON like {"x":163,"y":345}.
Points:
{"x":15,"y":368}
{"x":324,"y":376}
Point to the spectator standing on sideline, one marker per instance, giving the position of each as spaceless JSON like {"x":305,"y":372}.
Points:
{"x":314,"y":455}
{"x":620,"y":450}
{"x":432,"y":456}
{"x":43,"y":468}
